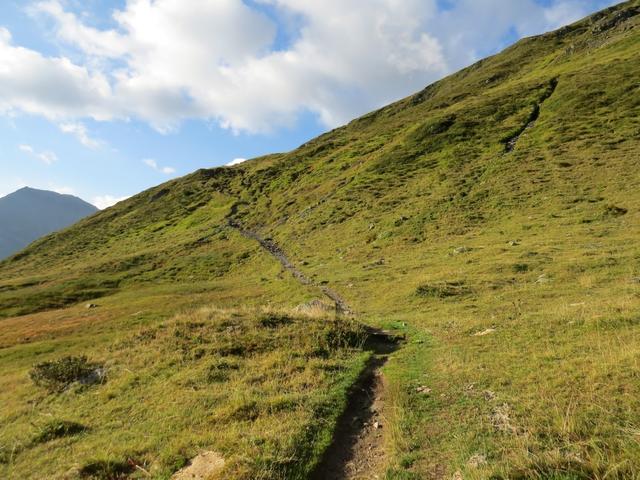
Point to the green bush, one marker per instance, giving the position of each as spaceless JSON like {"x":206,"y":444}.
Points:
{"x":57,"y":375}
{"x":343,"y":333}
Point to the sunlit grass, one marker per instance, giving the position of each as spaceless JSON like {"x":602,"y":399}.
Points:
{"x":513,"y":275}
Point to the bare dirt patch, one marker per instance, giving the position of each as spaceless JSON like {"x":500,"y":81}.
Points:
{"x":205,"y":466}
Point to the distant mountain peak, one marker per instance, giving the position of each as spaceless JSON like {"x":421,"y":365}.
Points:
{"x":30,"y":213}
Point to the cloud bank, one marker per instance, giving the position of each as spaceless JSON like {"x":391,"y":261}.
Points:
{"x":151,"y":163}
{"x":46,"y":157}
{"x":166,"y":61}
{"x":106,"y":201}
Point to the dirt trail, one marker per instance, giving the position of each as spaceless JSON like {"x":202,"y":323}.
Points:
{"x":511,"y":143}
{"x":274,"y":249}
{"x":357,"y":451}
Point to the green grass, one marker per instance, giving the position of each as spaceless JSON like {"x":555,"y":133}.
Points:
{"x":421,"y":220}
{"x":263,"y":388}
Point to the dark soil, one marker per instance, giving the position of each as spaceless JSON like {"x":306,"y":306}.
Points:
{"x":357,"y":451}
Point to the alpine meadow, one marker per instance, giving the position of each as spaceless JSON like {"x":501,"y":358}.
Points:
{"x":445,"y":288}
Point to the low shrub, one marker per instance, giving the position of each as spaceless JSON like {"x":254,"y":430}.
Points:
{"x":59,"y":374}
{"x":442,"y":289}
{"x":106,"y":470}
{"x":521,"y":268}
{"x":343,"y":333}
{"x":274,"y":320}
{"x":58,"y":429}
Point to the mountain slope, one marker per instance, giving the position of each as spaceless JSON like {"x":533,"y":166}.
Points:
{"x":29,"y":214}
{"x":490,"y":218}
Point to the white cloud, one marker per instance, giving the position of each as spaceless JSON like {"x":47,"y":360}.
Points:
{"x":170,"y":60}
{"x":235,"y":161}
{"x":53,"y":87}
{"x":106,"y":201}
{"x":79,"y":130}
{"x":153,"y":164}
{"x":63,"y":190}
{"x":46,"y":157}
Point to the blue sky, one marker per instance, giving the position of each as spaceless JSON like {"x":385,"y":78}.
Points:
{"x":104,"y":98}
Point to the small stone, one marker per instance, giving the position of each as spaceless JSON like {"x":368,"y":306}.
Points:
{"x":476,"y":461}
{"x":424,"y":390}
{"x":514,"y":243}
{"x":91,"y":306}
{"x":488,"y":331}
{"x":489,"y":395}
{"x":501,"y":419}
{"x":377,"y":425}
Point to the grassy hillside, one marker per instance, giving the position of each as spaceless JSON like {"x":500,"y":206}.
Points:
{"x":491,"y":218}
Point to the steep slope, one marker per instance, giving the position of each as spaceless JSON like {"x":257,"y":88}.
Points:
{"x":490,"y":218}
{"x":29,"y":214}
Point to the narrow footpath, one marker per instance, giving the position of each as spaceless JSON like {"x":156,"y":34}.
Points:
{"x":357,"y":451}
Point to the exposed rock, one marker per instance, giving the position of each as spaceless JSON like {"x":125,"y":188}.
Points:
{"x":543,"y":279}
{"x":90,"y":306}
{"x":501,"y":419}
{"x":95,"y":377}
{"x":488,"y":331}
{"x":615,"y":20}
{"x":206,"y":466}
{"x":489,"y":396}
